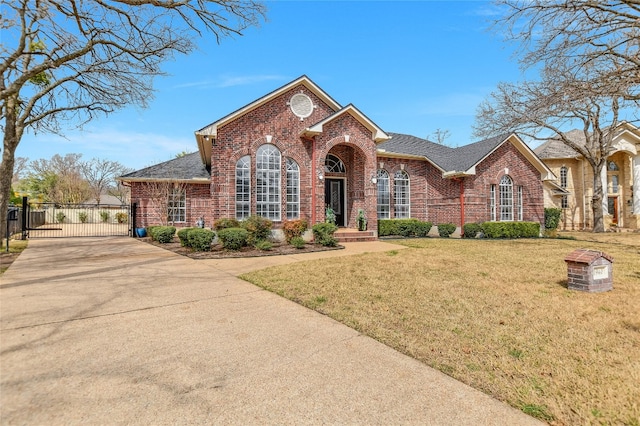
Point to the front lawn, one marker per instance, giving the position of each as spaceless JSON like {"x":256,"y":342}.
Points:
{"x":496,"y":315}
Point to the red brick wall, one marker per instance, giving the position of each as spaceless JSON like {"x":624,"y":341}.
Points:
{"x":198,"y":199}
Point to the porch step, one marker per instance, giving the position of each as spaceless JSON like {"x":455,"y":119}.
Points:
{"x":353,"y":235}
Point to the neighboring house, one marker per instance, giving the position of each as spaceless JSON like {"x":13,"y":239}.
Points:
{"x":295,"y":151}
{"x":573,"y":191}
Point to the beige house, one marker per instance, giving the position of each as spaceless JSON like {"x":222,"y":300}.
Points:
{"x":573,"y":191}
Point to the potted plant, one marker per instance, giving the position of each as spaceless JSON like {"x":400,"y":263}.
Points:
{"x":361,"y":220}
{"x":330,"y":216}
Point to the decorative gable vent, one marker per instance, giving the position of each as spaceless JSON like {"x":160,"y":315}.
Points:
{"x":301,"y":105}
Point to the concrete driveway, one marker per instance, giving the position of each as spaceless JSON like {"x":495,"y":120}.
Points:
{"x":116,"y":331}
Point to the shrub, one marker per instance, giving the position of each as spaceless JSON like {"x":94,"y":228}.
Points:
{"x":233,"y":238}
{"x":183,"y":235}
{"x":552,"y":218}
{"x":163,"y":234}
{"x":422,"y":228}
{"x":298,"y":242}
{"x":323,"y":234}
{"x":60,"y":217}
{"x":294,"y":228}
{"x":511,"y":229}
{"x":224,"y":223}
{"x":258,"y":228}
{"x":83,"y":217}
{"x":446,"y":229}
{"x":150,"y":231}
{"x":104,"y":216}
{"x":264,"y":245}
{"x":471,"y":230}
{"x":122,"y":217}
{"x":403,"y":227}
{"x":407,"y":227}
{"x":200,"y":239}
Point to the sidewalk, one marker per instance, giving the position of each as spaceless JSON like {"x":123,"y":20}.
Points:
{"x":113,"y":330}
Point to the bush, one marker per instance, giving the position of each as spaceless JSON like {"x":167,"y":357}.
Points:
{"x":511,"y":229}
{"x":422,"y":228}
{"x":83,"y":217}
{"x":298,"y":242}
{"x":60,"y":217}
{"x":552,"y":218}
{"x":294,"y":228}
{"x":224,"y":223}
{"x":446,"y":229}
{"x":233,"y":238}
{"x":163,"y":234}
{"x":150,"y":230}
{"x":323,"y":234}
{"x":104,"y":216}
{"x":403,"y":227}
{"x":258,"y":228}
{"x":471,"y":230}
{"x":200,"y":239}
{"x":264,"y":245}
{"x":183,"y":235}
{"x":122,"y":217}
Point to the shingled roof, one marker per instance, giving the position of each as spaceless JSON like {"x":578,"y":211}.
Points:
{"x":555,"y":148}
{"x":186,"y":168}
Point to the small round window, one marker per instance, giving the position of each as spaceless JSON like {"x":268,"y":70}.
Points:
{"x":301,"y":105}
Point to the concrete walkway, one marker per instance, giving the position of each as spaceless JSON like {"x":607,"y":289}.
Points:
{"x":113,"y":330}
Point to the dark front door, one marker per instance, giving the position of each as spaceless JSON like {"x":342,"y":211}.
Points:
{"x":613,"y":209}
{"x":334,"y":198}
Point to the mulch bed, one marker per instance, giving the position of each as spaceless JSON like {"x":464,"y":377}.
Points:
{"x":217,"y":252}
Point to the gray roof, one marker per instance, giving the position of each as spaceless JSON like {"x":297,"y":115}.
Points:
{"x":187,"y":167}
{"x":555,"y":148}
{"x":448,"y":159}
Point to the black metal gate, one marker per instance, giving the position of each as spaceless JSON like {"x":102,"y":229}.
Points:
{"x":51,"y":220}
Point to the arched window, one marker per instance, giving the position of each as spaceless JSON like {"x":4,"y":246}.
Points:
{"x":401,"y":195}
{"x":293,"y":189}
{"x":333,"y":164}
{"x":243,"y":188}
{"x":268,"y":163}
{"x":384,"y":197}
{"x":563,"y":184}
{"x":506,"y":199}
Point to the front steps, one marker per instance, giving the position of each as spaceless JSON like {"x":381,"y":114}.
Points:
{"x":345,"y":235}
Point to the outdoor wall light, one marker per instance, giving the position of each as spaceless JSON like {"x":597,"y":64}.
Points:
{"x":320,"y":176}
{"x":374,"y":179}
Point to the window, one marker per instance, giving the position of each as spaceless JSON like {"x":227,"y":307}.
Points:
{"x":268,"y":162}
{"x":520,"y":204}
{"x":492,"y":202}
{"x":401,"y":195}
{"x":333,"y":164}
{"x":615,"y":182}
{"x":293,"y":189}
{"x":177,"y":205}
{"x":384,"y":197}
{"x":506,"y":198}
{"x":563,"y":185}
{"x":243,"y":188}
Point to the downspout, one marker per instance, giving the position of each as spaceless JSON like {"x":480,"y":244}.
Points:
{"x":461,"y":205}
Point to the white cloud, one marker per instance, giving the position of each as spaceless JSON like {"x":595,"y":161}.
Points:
{"x":231,"y":81}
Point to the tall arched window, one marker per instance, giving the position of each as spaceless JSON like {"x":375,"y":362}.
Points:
{"x":243,"y":188}
{"x":333,"y":164}
{"x":563,"y":185}
{"x":293,"y":189}
{"x":268,"y":163}
{"x":384,"y":197}
{"x":506,"y":198}
{"x":401,"y":195}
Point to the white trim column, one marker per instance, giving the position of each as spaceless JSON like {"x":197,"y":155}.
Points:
{"x":636,"y":185}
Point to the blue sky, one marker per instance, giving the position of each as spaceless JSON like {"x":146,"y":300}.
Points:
{"x":411,"y":67}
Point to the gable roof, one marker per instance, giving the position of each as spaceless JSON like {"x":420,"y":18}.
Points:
{"x":461,"y":161}
{"x":378,"y":134}
{"x":204,"y":135}
{"x":187,"y":168}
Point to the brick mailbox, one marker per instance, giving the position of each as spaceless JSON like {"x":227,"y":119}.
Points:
{"x":589,"y":270}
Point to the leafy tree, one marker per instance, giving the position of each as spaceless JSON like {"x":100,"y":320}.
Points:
{"x":587,"y":56}
{"x":62,"y":63}
{"x":58,"y":180}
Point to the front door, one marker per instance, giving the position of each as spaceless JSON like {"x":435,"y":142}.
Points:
{"x":612,"y":206}
{"x":334,"y":198}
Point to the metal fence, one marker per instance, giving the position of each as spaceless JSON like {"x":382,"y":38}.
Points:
{"x":79,"y":220}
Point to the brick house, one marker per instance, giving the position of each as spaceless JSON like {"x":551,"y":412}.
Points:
{"x":573,"y":191}
{"x":295,"y":151}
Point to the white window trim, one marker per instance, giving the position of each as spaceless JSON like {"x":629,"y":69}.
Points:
{"x":245,"y":179}
{"x":269,"y":194}
{"x":402,"y":210}
{"x":293,"y":189}
{"x":383,"y":176}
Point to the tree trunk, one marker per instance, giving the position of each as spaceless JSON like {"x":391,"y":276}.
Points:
{"x":12,"y":134}
{"x":598,"y":197}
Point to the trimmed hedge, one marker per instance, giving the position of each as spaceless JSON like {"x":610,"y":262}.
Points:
{"x":552,"y":218}
{"x":323,"y":234}
{"x":471,"y":230}
{"x":224,"y":223}
{"x":233,"y":238}
{"x":200,"y":239}
{"x":258,"y":228}
{"x":511,"y":229}
{"x":163,"y":234}
{"x":446,"y":229}
{"x":183,"y":235}
{"x":403,"y":227}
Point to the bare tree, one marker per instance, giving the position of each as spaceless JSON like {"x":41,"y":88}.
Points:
{"x":440,"y":136}
{"x":19,"y":169}
{"x":62,"y":63}
{"x":100,"y":174}
{"x":166,"y":197}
